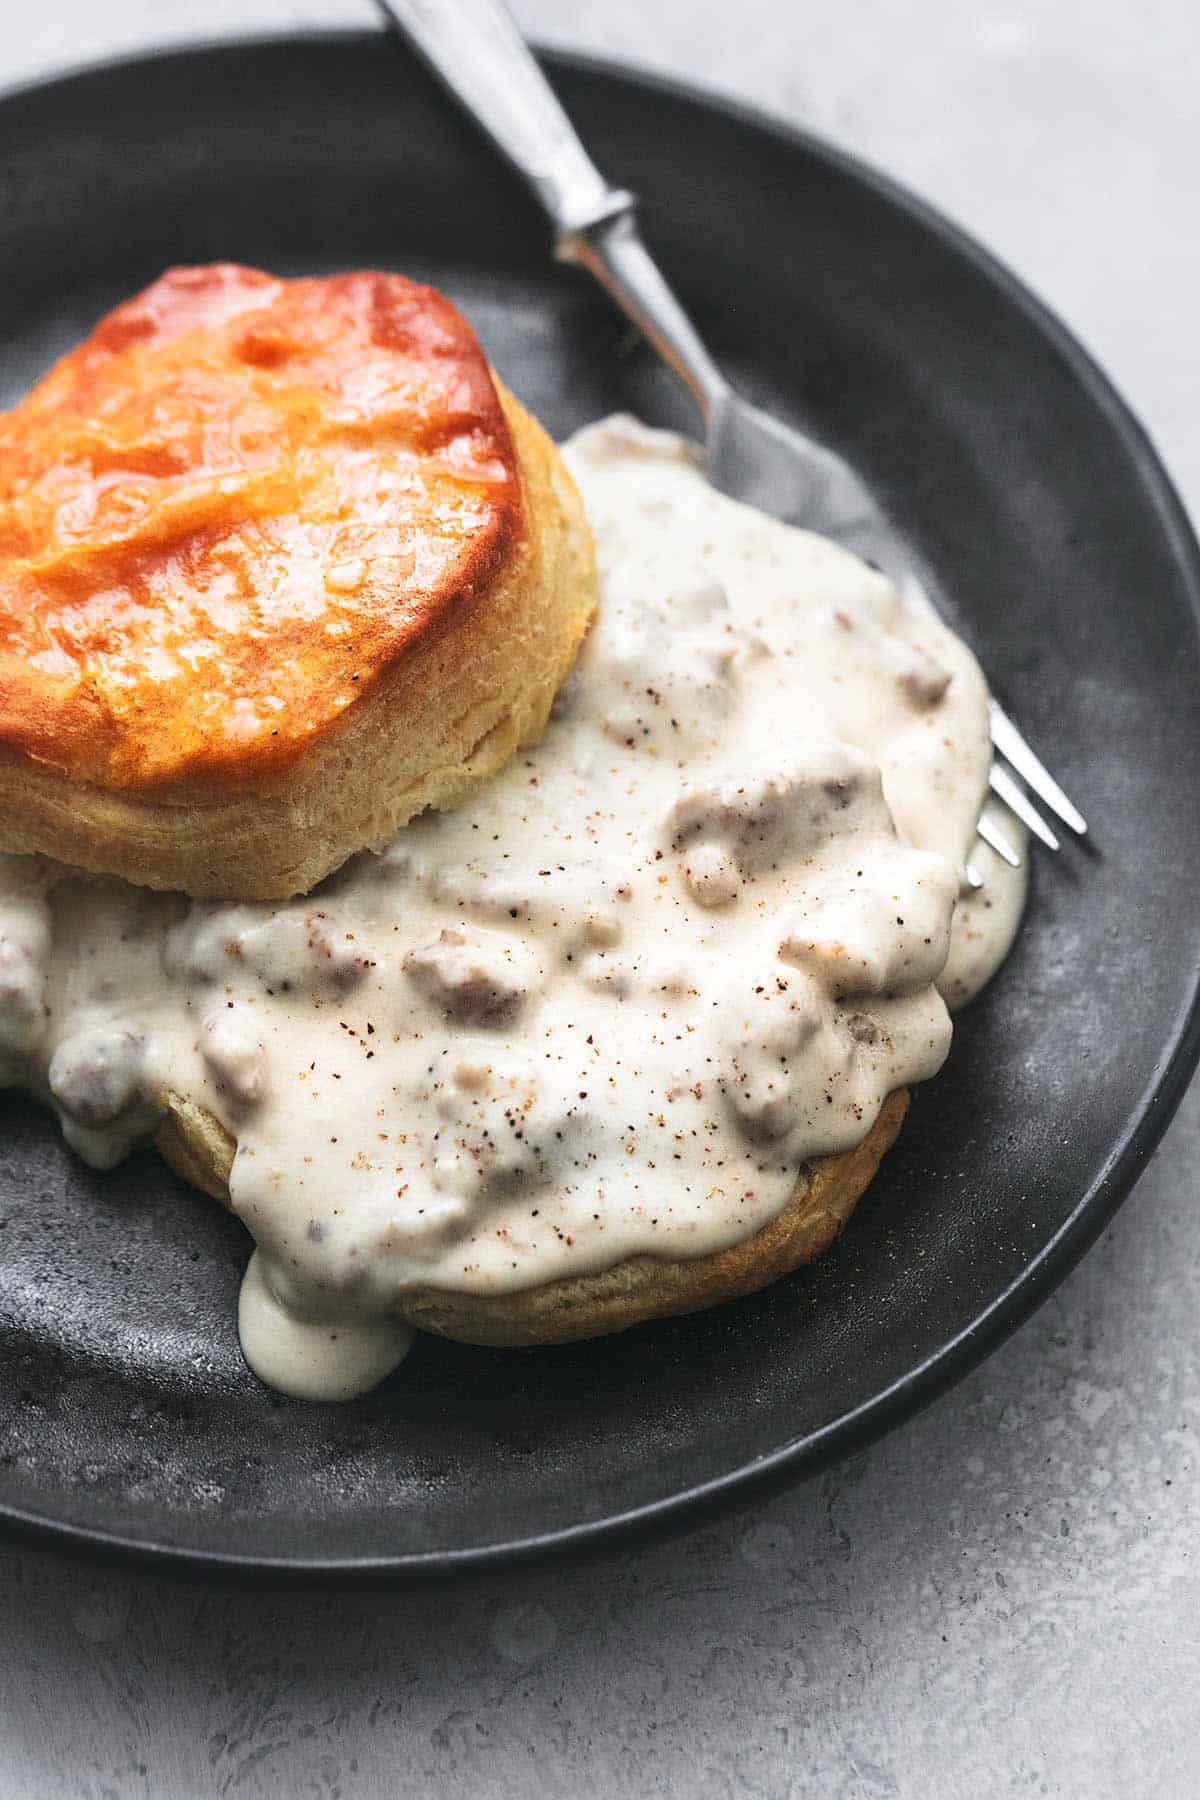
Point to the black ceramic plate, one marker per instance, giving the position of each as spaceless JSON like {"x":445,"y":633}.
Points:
{"x":127,"y":1419}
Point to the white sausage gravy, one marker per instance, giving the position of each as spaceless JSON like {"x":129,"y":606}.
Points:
{"x":612,"y":1004}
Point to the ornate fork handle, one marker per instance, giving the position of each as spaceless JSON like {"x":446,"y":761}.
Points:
{"x":475,"y":49}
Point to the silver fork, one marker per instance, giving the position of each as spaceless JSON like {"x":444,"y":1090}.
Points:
{"x":475,"y":49}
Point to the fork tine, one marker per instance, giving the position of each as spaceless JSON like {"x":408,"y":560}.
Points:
{"x":1012,"y":746}
{"x":1002,"y":784}
{"x":974,"y":878}
{"x":991,"y":834}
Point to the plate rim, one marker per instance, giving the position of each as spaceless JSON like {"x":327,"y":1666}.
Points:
{"x":801,"y":1457}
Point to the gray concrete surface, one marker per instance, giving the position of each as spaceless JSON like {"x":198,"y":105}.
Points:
{"x":1004,"y":1597}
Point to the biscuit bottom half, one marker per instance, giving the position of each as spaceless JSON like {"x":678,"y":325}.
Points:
{"x":631,"y":1292}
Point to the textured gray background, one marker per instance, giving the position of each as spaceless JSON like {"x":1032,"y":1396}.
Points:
{"x":1004,"y":1597}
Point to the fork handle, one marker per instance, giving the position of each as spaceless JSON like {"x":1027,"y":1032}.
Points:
{"x":475,"y":49}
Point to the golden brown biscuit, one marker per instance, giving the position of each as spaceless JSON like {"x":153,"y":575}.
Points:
{"x":199,"y":1148}
{"x":281,"y":564}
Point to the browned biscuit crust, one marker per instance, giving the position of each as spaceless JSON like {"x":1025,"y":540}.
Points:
{"x":231,"y":658}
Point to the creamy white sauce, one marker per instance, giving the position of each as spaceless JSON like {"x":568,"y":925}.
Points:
{"x":613,"y":1004}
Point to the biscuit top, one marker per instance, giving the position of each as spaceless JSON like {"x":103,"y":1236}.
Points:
{"x":230,"y":510}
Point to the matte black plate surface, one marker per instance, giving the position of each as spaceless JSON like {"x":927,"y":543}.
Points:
{"x":127,"y":1419}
